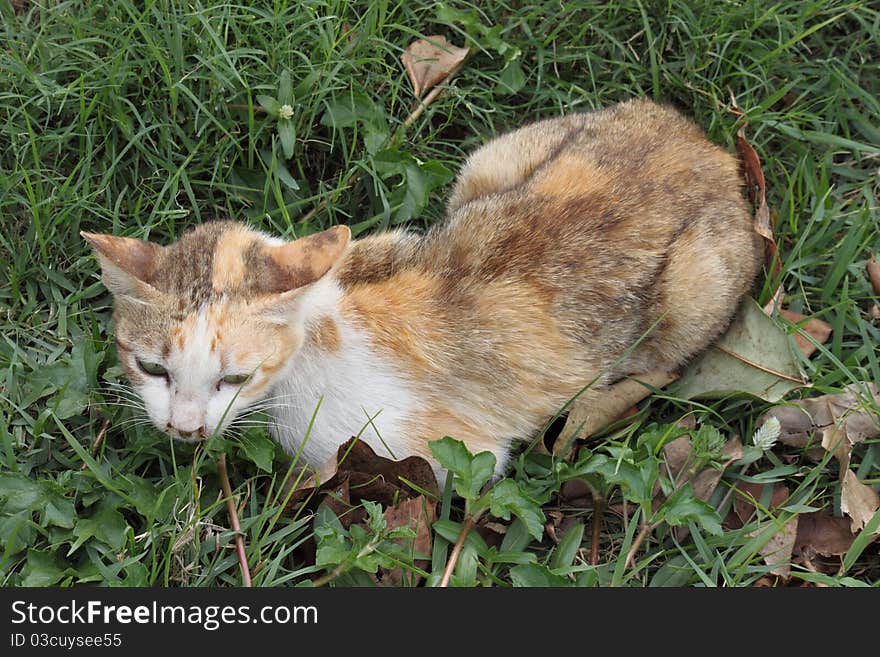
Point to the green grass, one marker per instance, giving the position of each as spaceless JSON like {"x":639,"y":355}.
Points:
{"x":141,"y":119}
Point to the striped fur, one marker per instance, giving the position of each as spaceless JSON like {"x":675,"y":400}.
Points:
{"x":565,"y":242}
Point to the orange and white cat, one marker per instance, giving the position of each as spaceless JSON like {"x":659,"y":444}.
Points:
{"x":565,"y":241}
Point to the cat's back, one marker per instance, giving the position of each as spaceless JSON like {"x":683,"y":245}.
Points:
{"x":613,"y":215}
{"x":598,"y":169}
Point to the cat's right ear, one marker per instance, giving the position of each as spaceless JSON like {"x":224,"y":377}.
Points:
{"x":127,"y":265}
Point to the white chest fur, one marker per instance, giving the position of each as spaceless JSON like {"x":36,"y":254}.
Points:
{"x":351,"y":391}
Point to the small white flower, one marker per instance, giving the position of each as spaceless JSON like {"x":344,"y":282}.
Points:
{"x":285,"y":112}
{"x":768,"y":433}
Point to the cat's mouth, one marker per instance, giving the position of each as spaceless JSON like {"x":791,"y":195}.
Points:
{"x":194,"y":436}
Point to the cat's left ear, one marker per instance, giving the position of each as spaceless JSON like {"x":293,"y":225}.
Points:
{"x":127,"y":265}
{"x":303,"y":261}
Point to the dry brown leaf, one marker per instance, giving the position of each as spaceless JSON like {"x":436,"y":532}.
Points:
{"x":857,"y":500}
{"x":757,"y":187}
{"x":874,"y":274}
{"x":678,"y":459}
{"x":837,"y":423}
{"x":816,"y":328}
{"x":430,"y":60}
{"x":822,"y":533}
{"x":418,"y":513}
{"x":597,"y":408}
{"x":706,"y":481}
{"x":357,"y":473}
{"x":777,"y":551}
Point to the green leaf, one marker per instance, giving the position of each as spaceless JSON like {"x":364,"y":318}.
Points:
{"x":450,"y":530}
{"x":512,"y":79}
{"x":17,"y":532}
{"x":259,"y":449}
{"x":675,"y":572}
{"x":536,"y":575}
{"x":375,"y":137}
{"x":764,"y":365}
{"x":506,"y":498}
{"x":107,"y":526}
{"x":306,"y":85}
{"x":682,"y":507}
{"x":59,"y":512}
{"x":269,"y":104}
{"x":517,"y":537}
{"x":43,"y":569}
{"x":466,"y":568}
{"x":471,"y":472}
{"x":346,"y":111}
{"x":287,"y":133}
{"x":285,"y":89}
{"x":333,"y":541}
{"x":21,"y":493}
{"x":566,"y":551}
{"x":635,"y":481}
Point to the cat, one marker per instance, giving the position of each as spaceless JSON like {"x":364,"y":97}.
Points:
{"x":565,"y":241}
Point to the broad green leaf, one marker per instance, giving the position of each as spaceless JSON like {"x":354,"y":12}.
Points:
{"x":506,"y":498}
{"x":285,"y":89}
{"x":450,"y":530}
{"x":753,"y":357}
{"x":566,"y":551}
{"x":43,"y":569}
{"x":636,"y":481}
{"x":470,"y":472}
{"x":259,"y":448}
{"x":271,"y":105}
{"x":517,"y":537}
{"x":287,"y":133}
{"x":536,"y":575}
{"x":17,"y":532}
{"x":675,"y":572}
{"x":106,"y":525}
{"x":347,"y":110}
{"x":512,"y":78}
{"x":682,"y":507}
{"x":466,"y":568}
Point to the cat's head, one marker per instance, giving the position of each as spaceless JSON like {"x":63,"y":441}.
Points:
{"x":205,"y":325}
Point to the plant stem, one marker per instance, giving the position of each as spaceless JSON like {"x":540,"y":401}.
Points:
{"x":598,"y":507}
{"x":233,"y":519}
{"x":640,"y":538}
{"x":469,"y":522}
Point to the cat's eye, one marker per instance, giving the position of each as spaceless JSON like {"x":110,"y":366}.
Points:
{"x":236,"y":379}
{"x":153,"y":369}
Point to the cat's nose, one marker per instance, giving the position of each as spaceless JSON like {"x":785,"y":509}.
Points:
{"x":188,"y":434}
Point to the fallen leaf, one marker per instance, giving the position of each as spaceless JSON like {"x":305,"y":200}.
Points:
{"x":777,"y":551}
{"x":707,"y":480}
{"x":357,"y":473}
{"x":430,"y":60}
{"x":874,"y":275}
{"x":837,"y":423}
{"x":857,"y":500}
{"x":752,"y":357}
{"x":597,"y":408}
{"x":419,"y":514}
{"x":678,"y":454}
{"x":821,"y":533}
{"x":757,"y":188}
{"x":816,"y":328}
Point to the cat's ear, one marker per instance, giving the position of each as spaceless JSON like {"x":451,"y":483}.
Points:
{"x":307,"y":259}
{"x":127,"y":265}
